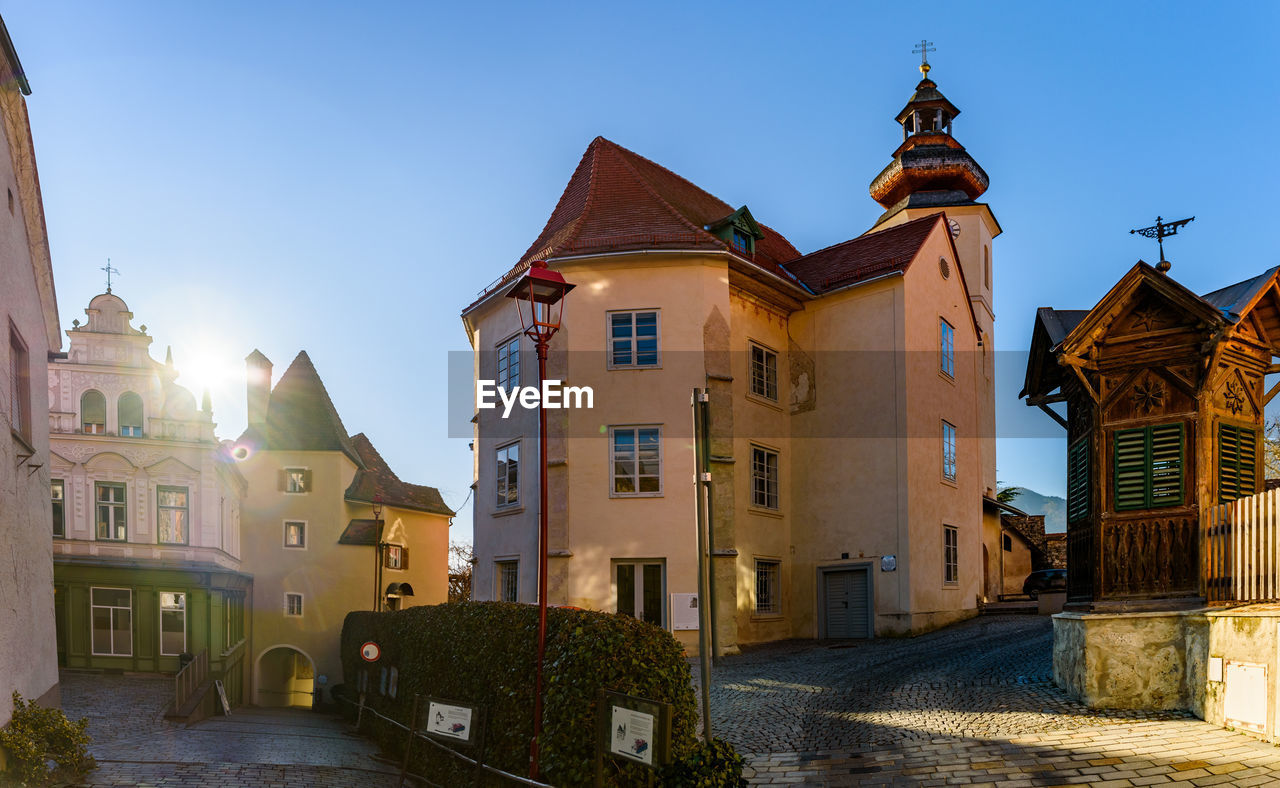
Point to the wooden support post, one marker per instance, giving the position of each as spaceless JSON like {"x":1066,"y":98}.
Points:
{"x":360,"y":712}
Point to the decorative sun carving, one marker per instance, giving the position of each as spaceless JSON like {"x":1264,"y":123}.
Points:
{"x":1233,"y":396}
{"x":1146,"y":318}
{"x":1148,"y":395}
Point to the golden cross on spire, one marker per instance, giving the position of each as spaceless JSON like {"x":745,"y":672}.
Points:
{"x":923,"y":49}
{"x":110,"y":270}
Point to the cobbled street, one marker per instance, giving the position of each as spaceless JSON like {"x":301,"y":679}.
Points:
{"x":973,"y":704}
{"x":253,"y":748}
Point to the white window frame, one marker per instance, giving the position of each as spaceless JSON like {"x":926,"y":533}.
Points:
{"x":121,"y":506}
{"x":133,"y":430}
{"x":20,"y":416}
{"x":499,"y":568}
{"x":302,"y":482}
{"x":950,"y":555}
{"x":100,"y":427}
{"x":638,"y":565}
{"x":949,"y":462}
{"x":946,"y":348}
{"x":770,"y":570}
{"x":58,"y":506}
{"x":399,"y":562}
{"x":160,"y":510}
{"x":507,"y":350}
{"x":503,"y":485}
{"x":756,"y":500}
{"x":288,"y":595}
{"x":113,"y":608}
{"x":302,"y":532}
{"x":634,"y":352}
{"x":613,"y":467}
{"x":163,"y":610}
{"x":762,"y":389}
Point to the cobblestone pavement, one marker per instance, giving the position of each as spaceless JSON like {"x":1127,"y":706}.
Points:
{"x":135,"y":746}
{"x":973,"y":704}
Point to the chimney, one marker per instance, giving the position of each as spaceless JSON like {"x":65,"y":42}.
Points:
{"x":257,"y":386}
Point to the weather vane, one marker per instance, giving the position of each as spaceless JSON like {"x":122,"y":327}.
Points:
{"x":923,"y":49}
{"x":109,"y":271}
{"x":1160,"y":231}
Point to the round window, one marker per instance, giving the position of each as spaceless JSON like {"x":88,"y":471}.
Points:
{"x":944,"y":267}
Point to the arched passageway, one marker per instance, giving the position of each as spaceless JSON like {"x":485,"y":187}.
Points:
{"x":286,"y":677}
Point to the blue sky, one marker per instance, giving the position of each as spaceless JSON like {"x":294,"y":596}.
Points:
{"x":343,"y":178}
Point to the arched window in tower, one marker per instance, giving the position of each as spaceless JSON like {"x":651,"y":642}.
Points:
{"x":93,"y":413}
{"x":130,"y":415}
{"x":986,"y":266}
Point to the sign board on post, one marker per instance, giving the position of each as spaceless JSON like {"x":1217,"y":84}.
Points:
{"x":449,"y":721}
{"x":684,"y":612}
{"x":631,"y":728}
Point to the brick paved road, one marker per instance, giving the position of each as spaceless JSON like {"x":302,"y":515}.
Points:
{"x":135,"y":746}
{"x":973,"y":704}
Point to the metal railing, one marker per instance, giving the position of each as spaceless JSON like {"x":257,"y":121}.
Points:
{"x":1240,"y":550}
{"x":189,"y":678}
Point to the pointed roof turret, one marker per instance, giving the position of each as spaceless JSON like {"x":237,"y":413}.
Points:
{"x":300,"y":416}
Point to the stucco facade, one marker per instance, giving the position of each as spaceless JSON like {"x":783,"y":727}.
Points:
{"x":28,"y":659}
{"x":851,"y":414}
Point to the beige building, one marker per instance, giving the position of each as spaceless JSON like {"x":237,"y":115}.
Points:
{"x":146,"y":510}
{"x":311,"y":541}
{"x":28,"y":661}
{"x":851,"y":400}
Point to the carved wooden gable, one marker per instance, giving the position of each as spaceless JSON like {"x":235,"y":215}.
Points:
{"x":1145,"y":393}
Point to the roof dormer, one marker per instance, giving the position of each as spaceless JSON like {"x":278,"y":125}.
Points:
{"x":739,"y":230}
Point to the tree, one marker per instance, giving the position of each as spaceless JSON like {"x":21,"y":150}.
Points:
{"x":1007,"y":494}
{"x":461,"y":563}
{"x":1271,"y":448}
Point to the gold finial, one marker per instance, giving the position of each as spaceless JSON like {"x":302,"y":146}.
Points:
{"x":923,"y":49}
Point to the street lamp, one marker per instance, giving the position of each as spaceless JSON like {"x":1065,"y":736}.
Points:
{"x":377,"y":552}
{"x":539,"y":297}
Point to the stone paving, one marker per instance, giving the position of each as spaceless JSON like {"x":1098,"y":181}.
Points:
{"x":136,"y":746}
{"x":973,"y":704}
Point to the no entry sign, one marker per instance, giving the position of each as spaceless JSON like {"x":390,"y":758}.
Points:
{"x":370,"y":652}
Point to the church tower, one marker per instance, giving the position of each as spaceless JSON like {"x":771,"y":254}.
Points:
{"x":932,"y":173}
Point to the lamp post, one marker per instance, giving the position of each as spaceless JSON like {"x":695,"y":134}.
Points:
{"x":377,"y":552}
{"x":539,"y":297}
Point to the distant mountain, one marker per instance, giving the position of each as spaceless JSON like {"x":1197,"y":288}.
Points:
{"x":1052,"y":507}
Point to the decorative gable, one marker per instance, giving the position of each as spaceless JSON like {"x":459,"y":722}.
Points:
{"x":739,"y":230}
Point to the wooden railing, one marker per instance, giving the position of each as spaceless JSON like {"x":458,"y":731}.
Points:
{"x":189,"y":678}
{"x":1240,"y":554}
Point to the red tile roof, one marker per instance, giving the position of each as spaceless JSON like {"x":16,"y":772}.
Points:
{"x":618,"y":200}
{"x":377,"y":478}
{"x":869,"y":255}
{"x":300,"y":416}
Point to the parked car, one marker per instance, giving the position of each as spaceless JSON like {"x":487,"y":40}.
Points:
{"x":1044,"y":581}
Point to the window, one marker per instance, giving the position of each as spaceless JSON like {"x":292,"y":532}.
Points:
{"x":396,"y":557}
{"x":57,"y":494}
{"x":295,"y":534}
{"x":508,"y":475}
{"x":111,"y":611}
{"x":173,"y":623}
{"x":986,"y":266}
{"x":948,"y":451}
{"x":764,"y":372}
{"x":636,"y":460}
{"x":171,"y":505}
{"x":633,"y":339}
{"x":764,"y":478}
{"x":1148,"y":467}
{"x":508,"y":577}
{"x":768,"y":588}
{"x":1237,"y":462}
{"x":93,"y":413}
{"x":111,"y":512}
{"x":741,"y":241}
{"x":1078,"y":481}
{"x":640,"y":591}
{"x":297,"y":480}
{"x":293,"y":604}
{"x":950,"y":554}
{"x":509,"y":364}
{"x":19,"y":385}
{"x":947,"y":350}
{"x":1006,"y":543}
{"x":130,"y":410}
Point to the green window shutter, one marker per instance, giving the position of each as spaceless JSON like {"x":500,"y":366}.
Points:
{"x":1166,"y":465}
{"x":1131,"y":469}
{"x":1078,"y":481}
{"x":1237,"y":462}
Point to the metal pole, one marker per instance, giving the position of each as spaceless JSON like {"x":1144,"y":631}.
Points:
{"x":704,"y":619}
{"x":705,"y":470}
{"x":542,"y":564}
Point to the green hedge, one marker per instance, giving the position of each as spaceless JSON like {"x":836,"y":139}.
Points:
{"x":482,"y":654}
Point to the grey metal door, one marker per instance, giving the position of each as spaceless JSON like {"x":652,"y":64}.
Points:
{"x":847,"y":604}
